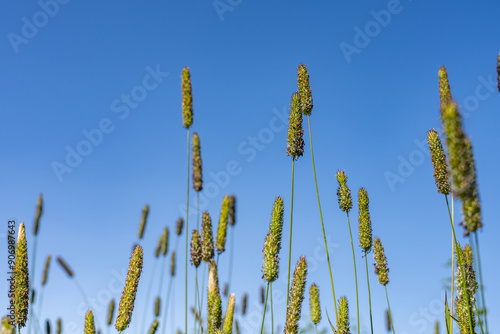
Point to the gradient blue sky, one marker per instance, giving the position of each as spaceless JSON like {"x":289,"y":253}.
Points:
{"x":372,"y":108}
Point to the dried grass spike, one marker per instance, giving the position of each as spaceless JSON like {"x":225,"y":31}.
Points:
{"x":157,"y":306}
{"x":111,"y":311}
{"x":244,"y":304}
{"x":39,"y":210}
{"x":179,"y":226}
{"x":59,"y":326}
{"x":220,"y":243}
{"x":21,"y":279}
{"x":172,"y":264}
{"x":498,"y":71}
{"x":196,"y":255}
{"x":142,"y":225}
{"x":47,"y":326}
{"x":232,"y":210}
{"x":164,"y":245}
{"x":154,"y":326}
{"x":46,"y":270}
{"x":65,"y":266}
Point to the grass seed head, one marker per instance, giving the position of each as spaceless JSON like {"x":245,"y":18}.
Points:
{"x":187,"y":99}
{"x":214,"y":305}
{"x":262,"y":294}
{"x":465,"y":300}
{"x":381,"y":268}
{"x":157,"y":306}
{"x":65,"y":266}
{"x":172,"y":264}
{"x":21,"y":279}
{"x":47,"y":326}
{"x":365,"y":224}
{"x":207,"y":239}
{"x":164,"y":245}
{"x":154,"y":326}
{"x":343,"y":317}
{"x":89,"y":323}
{"x":236,"y":327}
{"x":111,"y":311}
{"x":296,"y":297}
{"x":59,"y":326}
{"x":343,"y":192}
{"x":197,"y":167}
{"x":441,"y":176}
{"x":227,"y":327}
{"x":444,"y":87}
{"x":196,"y":255}
{"x":244,"y":304}
{"x":232,"y":210}
{"x":46,"y":270}
{"x":8,"y":327}
{"x":39,"y":210}
{"x":130,"y":290}
{"x":314,"y":304}
{"x":179,"y":226}
{"x":387,"y":320}
{"x":272,"y":243}
{"x":142,"y":226}
{"x":225,"y":291}
{"x":220,"y":243}
{"x":306,"y":101}
{"x":295,"y":141}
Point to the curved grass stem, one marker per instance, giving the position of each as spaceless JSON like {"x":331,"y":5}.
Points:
{"x":186,"y":253}
{"x":369,"y":293}
{"x":264,"y":313}
{"x":355,"y":272}
{"x":290,"y":244}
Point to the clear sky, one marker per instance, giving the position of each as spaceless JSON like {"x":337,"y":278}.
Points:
{"x":111,"y":70}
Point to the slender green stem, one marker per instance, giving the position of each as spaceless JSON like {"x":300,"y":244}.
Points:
{"x":481,"y":285}
{"x":186,"y":231}
{"x":355,"y":272}
{"x":290,"y":245}
{"x":148,"y":294}
{"x":87,"y":300}
{"x":272,"y":314}
{"x":195,"y":298}
{"x":322,"y":225}
{"x":369,"y":293}
{"x":40,"y":302}
{"x":231,"y":255}
{"x":264,"y":313}
{"x":316,"y":326}
{"x":389,"y":307}
{"x":480,"y":323}
{"x":32,"y":279}
{"x":198,"y":210}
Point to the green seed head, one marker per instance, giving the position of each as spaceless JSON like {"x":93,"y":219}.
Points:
{"x":32,"y":297}
{"x":65,"y":266}
{"x":164,"y":245}
{"x":214,"y":306}
{"x":228,"y":319}
{"x":381,"y":269}
{"x":295,"y":142}
{"x":343,"y":192}
{"x":144,"y":218}
{"x":8,"y":327}
{"x":46,"y":270}
{"x":130,"y":290}
{"x":197,"y":175}
{"x":471,"y":210}
{"x":343,"y":317}
{"x":47,"y":326}
{"x":157,"y":306}
{"x":59,"y":326}
{"x":172,"y":264}
{"x":314,"y":304}
{"x":272,"y":243}
{"x":465,"y":276}
{"x":296,"y":297}
{"x":436,"y":327}
{"x":187,"y":99}
{"x":444,"y":87}
{"x":232,"y":210}
{"x":306,"y":101}
{"x":387,"y":320}
{"x":439,"y":164}
{"x":179,"y":226}
{"x":365,"y":224}
{"x":154,"y":326}
{"x":39,"y":210}
{"x":111,"y":311}
{"x":196,"y":248}
{"x":222,"y":229}
{"x":89,"y":323}
{"x":21,"y":279}
{"x":244,"y":304}
{"x":207,"y":240}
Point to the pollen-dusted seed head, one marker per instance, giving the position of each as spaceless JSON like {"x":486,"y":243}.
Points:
{"x":214,"y":305}
{"x":157,"y":306}
{"x":130,"y":290}
{"x":111,"y":311}
{"x":276,"y":225}
{"x":59,"y":326}
{"x":172,"y":264}
{"x":439,"y":164}
{"x":498,"y":71}
{"x":46,"y":270}
{"x":154,"y":326}
{"x":47,"y":326}
{"x":465,"y":276}
{"x":21,"y":279}
{"x":220,"y":243}
{"x":142,"y":225}
{"x":381,"y":268}
{"x":314,"y":304}
{"x":89,"y":323}
{"x":244,"y":304}
{"x":164,"y":245}
{"x":343,"y":317}
{"x":295,"y":142}
{"x":195,"y":248}
{"x":444,"y":87}
{"x":343,"y":192}
{"x":187,"y":99}
{"x":365,"y":224}
{"x":306,"y":101}
{"x":232,"y":210}
{"x":39,"y":210}
{"x":179,"y":226}
{"x":197,"y":170}
{"x":65,"y":266}
{"x":272,"y":243}
{"x":296,"y":297}
{"x":207,"y":239}
{"x":227,"y":327}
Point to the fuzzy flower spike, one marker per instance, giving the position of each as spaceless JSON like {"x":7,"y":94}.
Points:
{"x":439,"y":164}
{"x":272,"y":244}
{"x":197,"y":168}
{"x":295,"y":141}
{"x":343,"y":192}
{"x":187,"y":99}
{"x":294,"y":308}
{"x":306,"y":101}
{"x":381,"y":268}
{"x":21,"y":279}
{"x":222,"y":229}
{"x":365,"y":224}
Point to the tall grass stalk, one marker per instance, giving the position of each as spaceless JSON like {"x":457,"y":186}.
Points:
{"x":42,"y":289}
{"x":290,"y":242}
{"x":264,"y":312}
{"x":186,"y":249}
{"x":369,"y":293}
{"x":355,"y":272}
{"x":482,"y":309}
{"x":389,"y":307}
{"x":36,"y":224}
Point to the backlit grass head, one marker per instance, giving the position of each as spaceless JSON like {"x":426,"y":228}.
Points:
{"x":59,"y":326}
{"x":197,"y":168}
{"x":21,"y":279}
{"x":154,"y":326}
{"x":65,"y":266}
{"x":343,"y":317}
{"x":295,"y":140}
{"x":232,"y":210}
{"x":164,"y":244}
{"x":142,"y":225}
{"x":227,"y":327}
{"x":272,"y":243}
{"x":179,"y":226}
{"x":381,"y":268}
{"x":157,"y":306}
{"x":214,"y":306}
{"x":220,"y":243}
{"x":444,"y":87}
{"x":314,"y":304}
{"x":8,"y":327}
{"x":439,"y":164}
{"x":130,"y":290}
{"x":39,"y":210}
{"x":46,"y":270}
{"x":296,"y":297}
{"x":111,"y":311}
{"x":187,"y":99}
{"x":207,"y":239}
{"x":343,"y":192}
{"x":465,"y":298}
{"x":89,"y":323}
{"x":244,"y":304}
{"x":172,"y":264}
{"x":365,"y":224}
{"x":306,"y":101}
{"x":196,"y":248}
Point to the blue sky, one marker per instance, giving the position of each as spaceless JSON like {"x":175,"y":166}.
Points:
{"x":116,"y":67}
